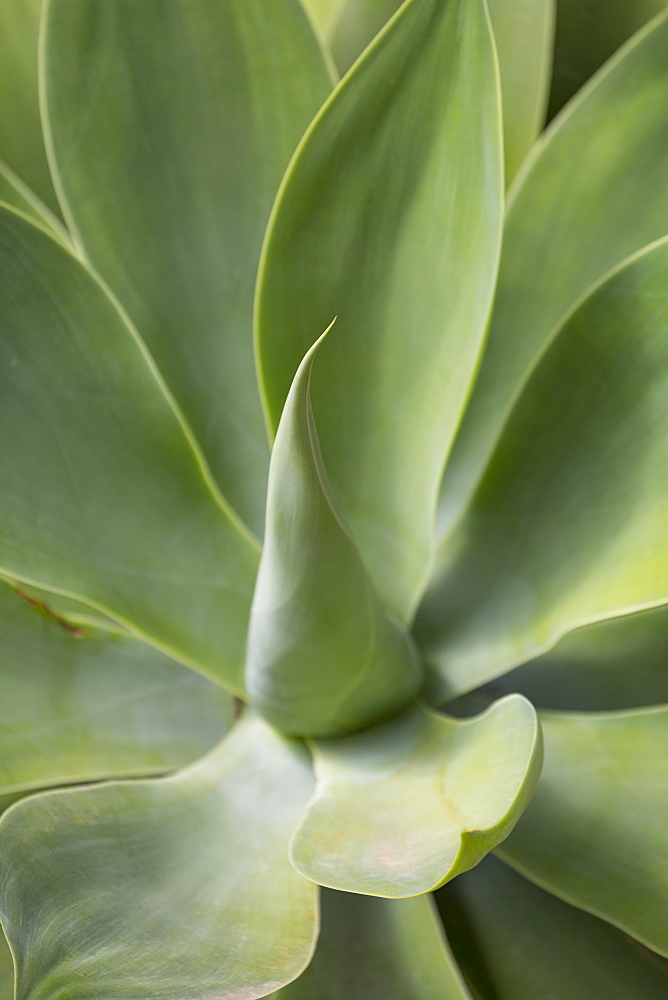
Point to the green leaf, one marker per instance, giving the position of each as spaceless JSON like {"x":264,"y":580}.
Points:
{"x":568,"y":525}
{"x":79,"y":704}
{"x":6,"y":970}
{"x":588,"y":32}
{"x":323,"y":657}
{"x":323,"y":12}
{"x":596,"y":833}
{"x":515,"y":942}
{"x":354,"y":24}
{"x":17,"y":194}
{"x":378,"y":949}
{"x":409,"y":804}
{"x":168,"y":147}
{"x":389,"y":218}
{"x":21,"y":141}
{"x":594,"y":191}
{"x":104,"y":497}
{"x":169,"y":888}
{"x":615,"y":664}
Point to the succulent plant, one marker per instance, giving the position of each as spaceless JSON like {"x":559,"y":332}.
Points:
{"x":334,"y":538}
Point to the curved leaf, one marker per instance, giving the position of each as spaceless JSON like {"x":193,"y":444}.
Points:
{"x":568,"y":525}
{"x":323,"y":658}
{"x":168,"y":146}
{"x":594,"y":192}
{"x":172,"y":888}
{"x":104,"y":497}
{"x":21,"y":142}
{"x":6,"y":970}
{"x":406,"y":257}
{"x":79,"y":704}
{"x":515,"y":942}
{"x":17,"y":194}
{"x":409,"y":804}
{"x":322,"y":11}
{"x":378,"y":949}
{"x":596,"y":833}
{"x":588,"y":32}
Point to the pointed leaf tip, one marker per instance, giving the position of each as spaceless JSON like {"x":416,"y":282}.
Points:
{"x":324,"y":658}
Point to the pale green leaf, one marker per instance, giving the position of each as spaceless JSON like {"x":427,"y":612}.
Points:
{"x":407,"y":805}
{"x":594,"y":191}
{"x":21,"y":141}
{"x":167,"y":888}
{"x":170,"y":126}
{"x":354,"y":24}
{"x":588,"y":32}
{"x":389,"y":219}
{"x":323,"y":12}
{"x":14,"y":192}
{"x":569,"y":523}
{"x":104,"y":497}
{"x":515,"y":942}
{"x":378,"y":949}
{"x":79,"y":704}
{"x":596,"y":833}
{"x":323,"y":657}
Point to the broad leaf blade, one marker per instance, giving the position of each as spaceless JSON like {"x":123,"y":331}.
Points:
{"x":515,"y":942}
{"x":170,"y":126}
{"x":594,"y":192}
{"x":569,"y":523}
{"x":104,"y":497}
{"x":406,"y":258}
{"x":79,"y":704}
{"x":407,"y":805}
{"x":323,"y":658}
{"x":172,"y":888}
{"x":378,"y":949}
{"x":596,"y":833}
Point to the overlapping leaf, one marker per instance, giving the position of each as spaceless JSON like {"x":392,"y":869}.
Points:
{"x":104,"y":497}
{"x":378,"y":949}
{"x":569,"y":523}
{"x":6,"y":970}
{"x":80,"y":704}
{"x":171,"y":888}
{"x":170,"y":126}
{"x":323,"y":657}
{"x":515,"y":942}
{"x":596,"y":832}
{"x":389,"y":219}
{"x":405,"y":806}
{"x":596,"y":192}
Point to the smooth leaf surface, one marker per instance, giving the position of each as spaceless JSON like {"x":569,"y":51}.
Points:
{"x":172,"y":888}
{"x":596,"y":833}
{"x":515,"y":942}
{"x":407,"y":805}
{"x":378,"y":949}
{"x":21,"y":141}
{"x":104,"y":497}
{"x":588,"y":32}
{"x":323,"y":658}
{"x":595,"y":190}
{"x":170,"y":126}
{"x":569,"y":523}
{"x":6,"y":970}
{"x":323,"y":12}
{"x":14,"y":192}
{"x":389,"y":219}
{"x":79,"y":704}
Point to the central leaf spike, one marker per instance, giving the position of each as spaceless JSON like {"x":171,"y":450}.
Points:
{"x":324,"y":658}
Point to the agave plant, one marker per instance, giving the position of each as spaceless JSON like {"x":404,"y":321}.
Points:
{"x":324,"y":461}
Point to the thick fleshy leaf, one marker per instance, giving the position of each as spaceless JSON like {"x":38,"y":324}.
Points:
{"x":407,"y":805}
{"x":588,"y":32}
{"x":354,"y":24}
{"x":378,"y":949}
{"x":389,"y":218}
{"x":515,"y":942}
{"x":80,"y":704}
{"x":569,"y":524}
{"x":171,"y":125}
{"x":596,"y":191}
{"x":323,"y":657}
{"x":172,"y":888}
{"x":21,"y":142}
{"x":6,"y":970}
{"x":104,"y":497}
{"x":596,"y":833}
{"x":615,"y":664}
{"x":14,"y":192}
